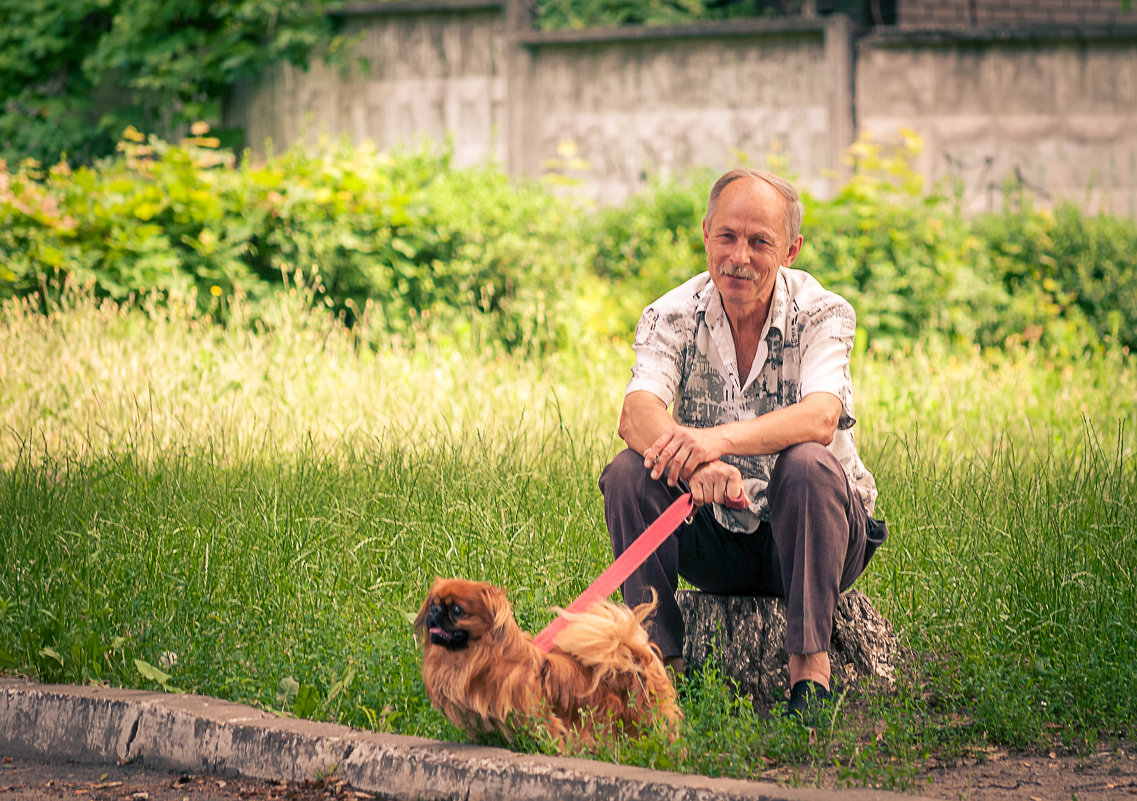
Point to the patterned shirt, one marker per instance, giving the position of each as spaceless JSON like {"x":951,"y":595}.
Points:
{"x":685,"y":356}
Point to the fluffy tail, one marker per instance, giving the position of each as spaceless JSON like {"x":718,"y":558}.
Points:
{"x":628,"y":680}
{"x":610,"y":638}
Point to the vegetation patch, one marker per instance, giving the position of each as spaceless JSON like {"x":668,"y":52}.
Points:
{"x":255,"y":513}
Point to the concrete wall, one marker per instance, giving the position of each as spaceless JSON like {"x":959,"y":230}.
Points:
{"x":1053,"y":110}
{"x":657,"y":104}
{"x":432,"y":70}
{"x":1007,"y":13}
{"x":636,"y":103}
{"x":1057,"y":116}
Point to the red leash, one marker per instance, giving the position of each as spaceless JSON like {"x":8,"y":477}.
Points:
{"x":607,"y":582}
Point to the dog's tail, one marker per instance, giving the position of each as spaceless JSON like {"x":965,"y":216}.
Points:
{"x":609,"y":637}
{"x":609,"y":640}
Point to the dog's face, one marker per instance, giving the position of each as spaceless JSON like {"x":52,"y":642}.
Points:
{"x":459,"y":613}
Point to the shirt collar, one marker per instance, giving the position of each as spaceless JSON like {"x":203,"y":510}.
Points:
{"x":779,"y":304}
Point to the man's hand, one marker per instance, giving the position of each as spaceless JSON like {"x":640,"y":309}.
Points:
{"x":681,"y":451}
{"x":717,"y":481}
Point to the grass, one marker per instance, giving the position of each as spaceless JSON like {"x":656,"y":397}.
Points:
{"x":254,"y":512}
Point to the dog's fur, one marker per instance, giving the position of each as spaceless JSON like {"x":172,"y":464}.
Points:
{"x":486,"y":675}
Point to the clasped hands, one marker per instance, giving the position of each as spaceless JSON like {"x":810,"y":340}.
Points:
{"x":695,"y":455}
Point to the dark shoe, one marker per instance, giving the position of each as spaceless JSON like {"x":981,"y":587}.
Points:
{"x":808,"y":703}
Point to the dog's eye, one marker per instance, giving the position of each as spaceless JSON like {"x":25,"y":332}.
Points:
{"x":457,"y":610}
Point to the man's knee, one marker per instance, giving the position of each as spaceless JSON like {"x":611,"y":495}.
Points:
{"x":624,"y":473}
{"x":809,"y":465}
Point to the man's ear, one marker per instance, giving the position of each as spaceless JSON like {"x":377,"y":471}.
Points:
{"x":795,"y":250}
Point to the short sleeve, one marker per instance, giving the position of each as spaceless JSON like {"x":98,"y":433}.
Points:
{"x":660,"y":340}
{"x":826,"y":345}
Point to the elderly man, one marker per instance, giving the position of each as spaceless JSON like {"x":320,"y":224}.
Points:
{"x":752,"y":357}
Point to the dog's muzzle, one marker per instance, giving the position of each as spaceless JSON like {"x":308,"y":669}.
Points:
{"x":439,"y":632}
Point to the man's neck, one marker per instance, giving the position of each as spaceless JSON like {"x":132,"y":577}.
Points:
{"x":746,"y":324}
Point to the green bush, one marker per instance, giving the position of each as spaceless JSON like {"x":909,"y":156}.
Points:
{"x":407,"y":239}
{"x":909,"y":265}
{"x":1081,"y":270}
{"x":649,"y":244}
{"x":422,"y":247}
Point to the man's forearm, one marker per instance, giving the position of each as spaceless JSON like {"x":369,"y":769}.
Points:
{"x":813,"y":419}
{"x":678,"y":451}
{"x":643,"y":419}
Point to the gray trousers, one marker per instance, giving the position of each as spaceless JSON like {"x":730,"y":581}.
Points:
{"x":812,"y":548}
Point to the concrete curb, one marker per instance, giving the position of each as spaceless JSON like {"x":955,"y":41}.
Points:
{"x":196,"y":734}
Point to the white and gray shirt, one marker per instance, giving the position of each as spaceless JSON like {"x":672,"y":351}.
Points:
{"x":685,"y":356}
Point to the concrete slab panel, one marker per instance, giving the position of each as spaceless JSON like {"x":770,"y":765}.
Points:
{"x":896,"y":83}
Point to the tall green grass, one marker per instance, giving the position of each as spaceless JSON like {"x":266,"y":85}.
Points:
{"x":255,"y":513}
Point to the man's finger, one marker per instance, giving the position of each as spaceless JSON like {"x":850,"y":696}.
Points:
{"x":657,"y":457}
{"x":678,"y":463}
{"x":698,"y":496}
{"x":660,"y":463}
{"x":735,"y":495}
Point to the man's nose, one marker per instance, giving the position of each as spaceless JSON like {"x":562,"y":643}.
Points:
{"x":740,"y":253}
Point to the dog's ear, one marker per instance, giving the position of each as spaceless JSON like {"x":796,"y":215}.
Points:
{"x":497,"y":609}
{"x":423,"y":612}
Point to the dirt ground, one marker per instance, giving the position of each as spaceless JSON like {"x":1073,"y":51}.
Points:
{"x":1002,"y":776}
{"x":1104,"y":776}
{"x":1037,"y":777}
{"x":34,"y":780}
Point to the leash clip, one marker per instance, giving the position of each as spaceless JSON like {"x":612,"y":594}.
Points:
{"x":683,"y":485}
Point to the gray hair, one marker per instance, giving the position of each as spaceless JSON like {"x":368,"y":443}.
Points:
{"x":794,"y":208}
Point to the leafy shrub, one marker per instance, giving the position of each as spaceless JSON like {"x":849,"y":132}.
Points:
{"x":406,"y":239}
{"x":419,"y":246}
{"x":907,"y":263}
{"x":651,"y":243}
{"x":1081,"y":270}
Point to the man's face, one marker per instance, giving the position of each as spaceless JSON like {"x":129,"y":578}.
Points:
{"x":746,"y":243}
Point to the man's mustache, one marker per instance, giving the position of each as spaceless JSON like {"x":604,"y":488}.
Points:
{"x":735,"y":271}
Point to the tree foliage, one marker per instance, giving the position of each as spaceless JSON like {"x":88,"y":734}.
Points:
{"x":75,"y":74}
{"x":554,"y":14}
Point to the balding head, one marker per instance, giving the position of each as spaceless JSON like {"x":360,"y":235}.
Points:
{"x":794,"y":209}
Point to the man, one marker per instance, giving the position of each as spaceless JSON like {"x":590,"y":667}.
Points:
{"x":753,"y":359}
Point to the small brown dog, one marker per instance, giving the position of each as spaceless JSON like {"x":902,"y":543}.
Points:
{"x":485,"y":674}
